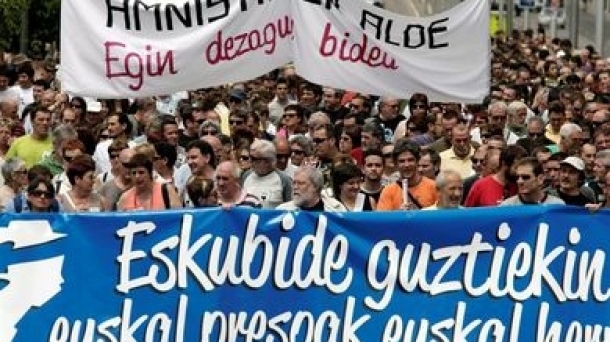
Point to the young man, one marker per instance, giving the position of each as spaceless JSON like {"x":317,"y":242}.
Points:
{"x":421,"y":191}
{"x":373,"y":172}
{"x":530,"y":185}
{"x":33,"y":146}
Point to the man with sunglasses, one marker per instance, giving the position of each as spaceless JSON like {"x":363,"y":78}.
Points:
{"x":530,"y":185}
{"x":535,"y":135}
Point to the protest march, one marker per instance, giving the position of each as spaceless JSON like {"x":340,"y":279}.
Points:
{"x":302,"y":170}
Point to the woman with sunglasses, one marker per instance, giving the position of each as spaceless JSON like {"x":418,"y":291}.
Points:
{"x":82,"y":198}
{"x":40,"y":195}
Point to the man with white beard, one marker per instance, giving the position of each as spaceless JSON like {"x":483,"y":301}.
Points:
{"x":307,"y":195}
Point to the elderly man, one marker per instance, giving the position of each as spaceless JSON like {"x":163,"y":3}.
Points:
{"x":450,"y":190}
{"x":570,"y":139}
{"x":264,"y":180}
{"x":307,"y":194}
{"x":229,"y":191}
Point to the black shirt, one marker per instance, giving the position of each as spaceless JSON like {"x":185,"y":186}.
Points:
{"x":578,"y":200}
{"x":317,"y":207}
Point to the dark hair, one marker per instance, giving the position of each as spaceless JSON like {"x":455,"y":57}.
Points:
{"x":39,"y":171}
{"x":558,"y":156}
{"x":557,"y":107}
{"x":199,"y":188}
{"x":33,"y":185}
{"x":166,"y":151}
{"x":435,"y":157}
{"x":81,"y":103}
{"x":510,"y":154}
{"x":374,"y":152}
{"x":27,"y":69}
{"x":141,"y":160}
{"x":418,"y":97}
{"x":124,"y":120}
{"x":354,"y":133}
{"x":38,"y":109}
{"x":204,"y":148}
{"x":80,"y":165}
{"x":341,"y":174}
{"x":403,"y":145}
{"x":533,"y":162}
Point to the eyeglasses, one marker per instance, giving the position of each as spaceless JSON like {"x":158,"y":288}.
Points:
{"x":41,"y":194}
{"x":419,"y":106}
{"x":319,"y":140}
{"x":257,"y":159}
{"x":244,"y":158}
{"x":298,"y":152}
{"x":477,"y":160}
{"x":113,"y":155}
{"x":282,"y":156}
{"x":524,"y":177}
{"x":209,"y":132}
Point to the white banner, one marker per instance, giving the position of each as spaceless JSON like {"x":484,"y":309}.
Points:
{"x":367,"y":49}
{"x":135,"y":48}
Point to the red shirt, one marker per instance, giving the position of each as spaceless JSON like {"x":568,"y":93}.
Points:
{"x":485,"y":192}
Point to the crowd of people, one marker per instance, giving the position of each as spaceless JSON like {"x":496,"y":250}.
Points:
{"x":542,"y":136}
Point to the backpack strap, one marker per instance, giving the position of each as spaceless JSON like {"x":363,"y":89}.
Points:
{"x":411,"y":197}
{"x":165,"y":194}
{"x":18,"y":203}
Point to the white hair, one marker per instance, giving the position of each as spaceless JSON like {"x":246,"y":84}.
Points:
{"x":568,"y":129}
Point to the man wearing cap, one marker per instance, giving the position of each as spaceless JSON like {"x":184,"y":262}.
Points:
{"x":571,"y":178}
{"x":281,"y":100}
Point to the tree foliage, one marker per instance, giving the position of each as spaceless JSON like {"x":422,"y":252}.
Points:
{"x":11,"y":12}
{"x":43,"y":23}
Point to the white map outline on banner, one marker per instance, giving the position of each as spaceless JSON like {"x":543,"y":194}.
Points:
{"x":30,"y":284}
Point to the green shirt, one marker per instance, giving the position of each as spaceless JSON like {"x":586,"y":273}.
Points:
{"x":28,"y":149}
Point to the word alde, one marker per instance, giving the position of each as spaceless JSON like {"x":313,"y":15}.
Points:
{"x":414,"y":36}
{"x":229,"y":48}
{"x":166,"y":15}
{"x":136,"y":65}
{"x":363,"y":52}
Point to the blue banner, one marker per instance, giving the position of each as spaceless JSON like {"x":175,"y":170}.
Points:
{"x":503,"y":274}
